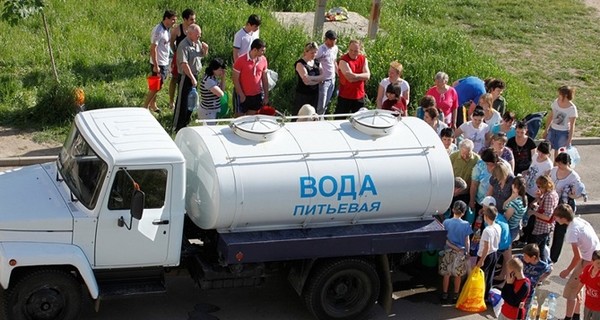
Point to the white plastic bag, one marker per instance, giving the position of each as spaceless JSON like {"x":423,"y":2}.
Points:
{"x":573,"y":153}
{"x":497,"y":301}
{"x":273,"y":77}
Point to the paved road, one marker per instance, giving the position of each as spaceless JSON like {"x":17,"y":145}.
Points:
{"x":276,"y":300}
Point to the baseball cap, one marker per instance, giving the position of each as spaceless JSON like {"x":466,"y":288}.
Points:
{"x":488,"y":201}
{"x":330,"y":34}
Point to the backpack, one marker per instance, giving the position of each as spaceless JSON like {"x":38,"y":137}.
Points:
{"x":534,"y":123}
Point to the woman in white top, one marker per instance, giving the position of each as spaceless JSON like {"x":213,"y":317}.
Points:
{"x":490,"y":115}
{"x":567,"y":182}
{"x":474,"y":130}
{"x":560,"y":123}
{"x":394,"y":76}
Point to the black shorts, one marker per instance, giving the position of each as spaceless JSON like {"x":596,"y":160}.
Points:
{"x":163,"y":72}
{"x":349,"y":105}
{"x":251,"y":103}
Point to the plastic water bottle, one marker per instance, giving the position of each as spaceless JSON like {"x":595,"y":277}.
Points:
{"x":544,"y":309}
{"x":533,"y":310}
{"x":192,"y":100}
{"x":552,"y":306}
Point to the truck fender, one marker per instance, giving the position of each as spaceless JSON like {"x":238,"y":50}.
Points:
{"x":30,"y":254}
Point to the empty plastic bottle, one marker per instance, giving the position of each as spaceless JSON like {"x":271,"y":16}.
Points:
{"x":192,"y":100}
{"x":533,"y":310}
{"x":552,"y":306}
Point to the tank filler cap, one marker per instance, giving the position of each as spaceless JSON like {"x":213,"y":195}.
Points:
{"x":375,"y":122}
{"x":256,"y":127}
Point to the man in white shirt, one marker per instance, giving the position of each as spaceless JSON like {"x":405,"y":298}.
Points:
{"x":327,"y":56}
{"x":159,"y":55}
{"x":584,"y":240}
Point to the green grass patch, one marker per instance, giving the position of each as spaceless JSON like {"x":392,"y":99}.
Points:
{"x":103,"y":48}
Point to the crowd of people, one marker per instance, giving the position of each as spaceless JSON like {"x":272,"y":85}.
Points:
{"x":510,"y":191}
{"x":516,"y":193}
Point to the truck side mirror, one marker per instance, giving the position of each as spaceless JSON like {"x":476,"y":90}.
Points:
{"x":138,"y":198}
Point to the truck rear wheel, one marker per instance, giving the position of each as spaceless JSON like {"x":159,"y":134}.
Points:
{"x":342,"y":289}
{"x":43,"y":295}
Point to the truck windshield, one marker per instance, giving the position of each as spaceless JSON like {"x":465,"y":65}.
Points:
{"x":82,"y":169}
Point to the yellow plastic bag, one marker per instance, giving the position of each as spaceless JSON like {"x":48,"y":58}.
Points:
{"x":472,"y":296}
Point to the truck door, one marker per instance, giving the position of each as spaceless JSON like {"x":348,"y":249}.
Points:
{"x":146,"y":243}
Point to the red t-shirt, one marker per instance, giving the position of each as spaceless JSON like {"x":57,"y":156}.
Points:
{"x":398,"y":104}
{"x":592,"y":288}
{"x":250,"y":72}
{"x":446,"y":102}
{"x":352,"y":90}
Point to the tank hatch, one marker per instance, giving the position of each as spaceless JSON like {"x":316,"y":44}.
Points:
{"x":375,"y":122}
{"x":256,"y":127}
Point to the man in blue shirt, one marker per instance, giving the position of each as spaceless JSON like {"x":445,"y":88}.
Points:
{"x":469,"y":90}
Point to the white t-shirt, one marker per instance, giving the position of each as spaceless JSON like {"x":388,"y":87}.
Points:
{"x":160,"y":37}
{"x":404,"y":87}
{"x":584,"y":236}
{"x":536,"y":169}
{"x":477,"y":135}
{"x":561,"y":116}
{"x":327,"y":58}
{"x":562,"y":185}
{"x":491,"y":234}
{"x":243,"y":40}
{"x":494,"y":120}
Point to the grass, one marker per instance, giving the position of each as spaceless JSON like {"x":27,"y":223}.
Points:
{"x":103,"y":47}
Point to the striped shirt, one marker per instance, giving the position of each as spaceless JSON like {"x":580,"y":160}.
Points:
{"x":209,"y":100}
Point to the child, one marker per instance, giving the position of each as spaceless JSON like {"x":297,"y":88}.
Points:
{"x":547,"y":200}
{"x":515,"y":291}
{"x":590,"y":277}
{"x":447,"y":136}
{"x":560,"y":123}
{"x":504,"y":249}
{"x":395,"y":100}
{"x":535,"y":270}
{"x":488,"y":247}
{"x":584,"y":240}
{"x":454,"y":261}
{"x":515,"y":207}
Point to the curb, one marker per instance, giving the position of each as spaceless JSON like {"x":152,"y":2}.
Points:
{"x":588,"y":207}
{"x":25,"y":161}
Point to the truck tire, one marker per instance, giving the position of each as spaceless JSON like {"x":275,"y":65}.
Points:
{"x":43,"y":295}
{"x":342,"y":289}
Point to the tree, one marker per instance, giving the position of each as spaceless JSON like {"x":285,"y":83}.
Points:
{"x":16,"y":10}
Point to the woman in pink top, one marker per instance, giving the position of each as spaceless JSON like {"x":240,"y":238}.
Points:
{"x":446,"y":98}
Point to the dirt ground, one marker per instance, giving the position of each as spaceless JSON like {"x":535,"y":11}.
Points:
{"x":16,"y":143}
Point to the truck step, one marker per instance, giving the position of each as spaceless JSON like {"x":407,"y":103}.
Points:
{"x":130,"y":282}
{"x":213,"y":276}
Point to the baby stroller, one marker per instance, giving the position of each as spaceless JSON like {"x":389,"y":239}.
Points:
{"x":534,"y":123}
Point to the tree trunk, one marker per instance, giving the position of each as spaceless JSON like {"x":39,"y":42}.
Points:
{"x":50,"y":48}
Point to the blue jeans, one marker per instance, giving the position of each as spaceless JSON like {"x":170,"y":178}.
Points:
{"x":558,"y":138}
{"x":325,"y":93}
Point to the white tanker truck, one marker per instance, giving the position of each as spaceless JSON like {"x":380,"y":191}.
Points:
{"x":330,"y":203}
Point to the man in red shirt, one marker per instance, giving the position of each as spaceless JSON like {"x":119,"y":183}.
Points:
{"x":353,"y":72}
{"x":250,"y":78}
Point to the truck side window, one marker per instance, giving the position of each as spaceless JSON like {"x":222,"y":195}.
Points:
{"x":152,"y":182}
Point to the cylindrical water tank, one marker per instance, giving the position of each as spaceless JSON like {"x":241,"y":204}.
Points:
{"x":262,"y":175}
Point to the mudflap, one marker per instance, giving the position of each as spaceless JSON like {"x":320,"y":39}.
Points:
{"x":385,"y":287}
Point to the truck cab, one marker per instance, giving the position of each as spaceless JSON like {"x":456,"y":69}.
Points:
{"x":71,"y":220}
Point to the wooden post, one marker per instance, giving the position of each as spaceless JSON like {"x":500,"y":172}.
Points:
{"x":374,"y":19}
{"x":319,"y":19}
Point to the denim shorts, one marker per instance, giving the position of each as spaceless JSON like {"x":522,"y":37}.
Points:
{"x":558,"y":138}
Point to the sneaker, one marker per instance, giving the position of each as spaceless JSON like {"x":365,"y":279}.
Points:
{"x":444,"y":300}
{"x":454,"y":299}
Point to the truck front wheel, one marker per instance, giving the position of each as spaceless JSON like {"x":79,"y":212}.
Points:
{"x":43,"y":295}
{"x":342,"y":289}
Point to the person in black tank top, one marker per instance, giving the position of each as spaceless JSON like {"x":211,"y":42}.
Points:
{"x":177,"y":35}
{"x":309,"y":75}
